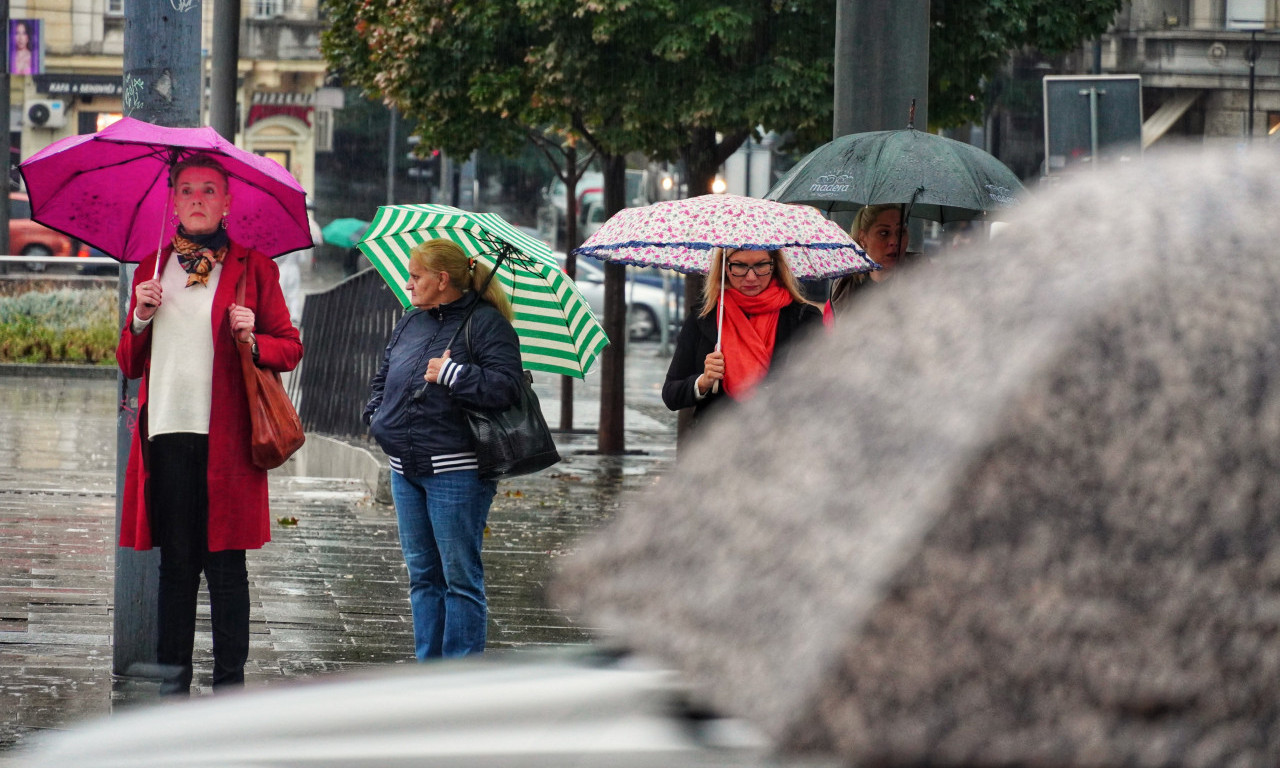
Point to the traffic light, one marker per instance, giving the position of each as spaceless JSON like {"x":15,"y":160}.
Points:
{"x":423,"y":166}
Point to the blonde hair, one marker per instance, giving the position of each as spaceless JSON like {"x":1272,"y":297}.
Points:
{"x":446,"y":256}
{"x":867,"y":216}
{"x":781,"y":272}
{"x":199,"y":160}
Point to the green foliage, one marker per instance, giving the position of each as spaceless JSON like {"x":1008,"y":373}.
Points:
{"x":61,"y":326}
{"x":971,"y":39}
{"x":662,"y":77}
{"x":625,"y":75}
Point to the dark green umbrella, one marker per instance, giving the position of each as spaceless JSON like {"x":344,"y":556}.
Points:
{"x":936,"y":178}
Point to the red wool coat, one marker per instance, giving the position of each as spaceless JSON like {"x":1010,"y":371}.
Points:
{"x":239,"y":516}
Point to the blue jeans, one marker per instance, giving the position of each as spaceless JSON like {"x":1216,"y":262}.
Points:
{"x":442,"y":520}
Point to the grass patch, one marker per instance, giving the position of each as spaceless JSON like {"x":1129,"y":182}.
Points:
{"x":60,"y":326}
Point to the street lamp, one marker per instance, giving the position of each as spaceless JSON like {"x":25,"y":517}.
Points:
{"x":1251,"y":55}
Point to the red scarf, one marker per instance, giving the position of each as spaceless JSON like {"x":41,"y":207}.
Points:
{"x":746,"y":337}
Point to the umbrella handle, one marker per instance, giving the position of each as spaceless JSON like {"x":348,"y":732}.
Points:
{"x":160,"y":239}
{"x":724,"y":258}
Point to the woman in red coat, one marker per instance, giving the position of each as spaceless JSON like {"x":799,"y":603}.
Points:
{"x":191,"y":487}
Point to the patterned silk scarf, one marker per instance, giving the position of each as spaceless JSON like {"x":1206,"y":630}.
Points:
{"x":198,"y":253}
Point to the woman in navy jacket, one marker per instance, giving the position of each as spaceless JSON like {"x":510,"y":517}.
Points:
{"x":414,"y":413}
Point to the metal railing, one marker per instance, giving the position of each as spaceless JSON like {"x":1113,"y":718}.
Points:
{"x":345,"y":330}
{"x":25,"y":263}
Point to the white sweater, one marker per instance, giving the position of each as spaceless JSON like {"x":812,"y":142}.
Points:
{"x":178,"y":391}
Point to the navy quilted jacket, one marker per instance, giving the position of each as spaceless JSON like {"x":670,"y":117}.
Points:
{"x":429,"y":435}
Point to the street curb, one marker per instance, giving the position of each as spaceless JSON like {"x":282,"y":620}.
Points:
{"x":323,"y":456}
{"x":54,"y":370}
{"x":320,"y":456}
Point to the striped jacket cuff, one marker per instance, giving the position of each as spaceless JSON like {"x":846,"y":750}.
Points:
{"x":449,"y":371}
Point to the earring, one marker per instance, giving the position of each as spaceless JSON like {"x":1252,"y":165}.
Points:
{"x":174,"y":219}
{"x":224,"y":221}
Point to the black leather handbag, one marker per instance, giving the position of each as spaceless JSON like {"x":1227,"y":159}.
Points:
{"x":515,"y":441}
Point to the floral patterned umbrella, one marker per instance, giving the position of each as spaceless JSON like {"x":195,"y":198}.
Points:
{"x":680,"y":235}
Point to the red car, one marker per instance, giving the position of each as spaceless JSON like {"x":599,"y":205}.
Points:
{"x":28,"y":238}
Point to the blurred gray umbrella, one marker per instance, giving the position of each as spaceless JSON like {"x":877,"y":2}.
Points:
{"x":1024,"y":513}
{"x":937,"y":178}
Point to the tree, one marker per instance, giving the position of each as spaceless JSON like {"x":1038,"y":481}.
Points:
{"x":689,"y":79}
{"x":670,"y":78}
{"x":972,"y":39}
{"x":459,"y":67}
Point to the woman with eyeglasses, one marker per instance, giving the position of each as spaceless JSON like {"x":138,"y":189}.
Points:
{"x":727,"y":352}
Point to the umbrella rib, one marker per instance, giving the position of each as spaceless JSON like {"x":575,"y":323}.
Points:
{"x":137,"y":210}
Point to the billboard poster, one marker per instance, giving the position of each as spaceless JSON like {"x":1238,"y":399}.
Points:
{"x":25,"y":49}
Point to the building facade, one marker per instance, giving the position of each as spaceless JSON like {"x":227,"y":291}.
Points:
{"x":74,"y":83}
{"x":1210,"y":68}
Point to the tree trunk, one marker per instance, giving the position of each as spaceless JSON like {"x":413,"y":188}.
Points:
{"x":611,"y":438}
{"x":571,"y":175}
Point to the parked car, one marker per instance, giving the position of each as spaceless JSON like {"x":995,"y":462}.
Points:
{"x":102,"y":264}
{"x":551,"y":212}
{"x":28,"y":238}
{"x":645,"y":302}
{"x":593,"y":216}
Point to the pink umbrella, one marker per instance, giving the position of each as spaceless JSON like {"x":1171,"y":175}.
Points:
{"x":111,"y":190}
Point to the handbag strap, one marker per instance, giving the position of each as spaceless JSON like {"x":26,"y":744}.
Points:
{"x":243,"y":349}
{"x":502,"y":254}
{"x":239,"y":297}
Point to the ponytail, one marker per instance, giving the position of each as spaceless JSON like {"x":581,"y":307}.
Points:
{"x":494,"y":293}
{"x":441,"y":255}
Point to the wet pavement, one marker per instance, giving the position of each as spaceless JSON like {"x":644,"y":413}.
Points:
{"x":329,"y":593}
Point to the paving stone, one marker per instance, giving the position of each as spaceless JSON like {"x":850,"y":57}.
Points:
{"x":329,"y":595}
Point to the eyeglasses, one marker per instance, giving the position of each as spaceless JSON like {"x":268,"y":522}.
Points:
{"x":762,"y":269}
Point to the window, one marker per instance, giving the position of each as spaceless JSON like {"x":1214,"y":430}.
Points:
{"x":266,"y":9}
{"x":324,"y":129}
{"x":281,"y":156}
{"x":115,"y":7}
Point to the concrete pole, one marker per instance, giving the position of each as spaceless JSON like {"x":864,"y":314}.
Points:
{"x":162,"y":86}
{"x":224,"y":70}
{"x":4,"y":102}
{"x":881,"y":64}
{"x":391,"y":156}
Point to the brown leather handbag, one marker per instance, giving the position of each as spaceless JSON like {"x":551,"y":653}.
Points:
{"x":277,"y":430}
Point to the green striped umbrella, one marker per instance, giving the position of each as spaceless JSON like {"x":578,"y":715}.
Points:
{"x":557,"y":331}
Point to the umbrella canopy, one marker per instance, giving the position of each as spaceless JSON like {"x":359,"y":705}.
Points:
{"x":558,"y":333}
{"x":344,"y":233}
{"x":111,"y":190}
{"x":680,"y":235}
{"x":1020,"y":514}
{"x":939,"y":178}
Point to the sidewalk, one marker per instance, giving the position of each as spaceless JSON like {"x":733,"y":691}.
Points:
{"x":329,"y":593}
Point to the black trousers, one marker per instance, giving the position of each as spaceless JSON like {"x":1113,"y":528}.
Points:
{"x":180,"y":526}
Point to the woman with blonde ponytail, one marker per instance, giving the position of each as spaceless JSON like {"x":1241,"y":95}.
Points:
{"x":414,"y":413}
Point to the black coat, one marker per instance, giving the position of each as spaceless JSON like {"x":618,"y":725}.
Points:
{"x":412,"y":431}
{"x":698,"y":339}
